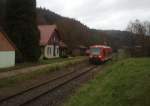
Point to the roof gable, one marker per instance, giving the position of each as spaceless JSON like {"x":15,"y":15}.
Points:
{"x":5,"y":43}
{"x":46,"y":32}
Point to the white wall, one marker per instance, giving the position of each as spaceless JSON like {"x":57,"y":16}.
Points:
{"x":7,"y":59}
{"x":52,"y":51}
{"x":46,"y":51}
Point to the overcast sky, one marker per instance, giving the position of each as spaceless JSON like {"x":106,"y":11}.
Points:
{"x":100,"y":14}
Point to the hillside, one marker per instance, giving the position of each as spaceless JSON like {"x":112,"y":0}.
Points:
{"x":120,"y":38}
{"x":125,"y":83}
{"x":74,"y":33}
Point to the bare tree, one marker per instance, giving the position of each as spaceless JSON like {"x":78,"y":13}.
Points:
{"x":140,"y":29}
{"x":136,"y":27}
{"x":147,"y":28}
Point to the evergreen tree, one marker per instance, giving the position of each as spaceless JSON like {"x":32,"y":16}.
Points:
{"x":2,"y":11}
{"x":22,"y":28}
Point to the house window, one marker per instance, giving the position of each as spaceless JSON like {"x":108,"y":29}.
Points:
{"x":57,"y":50}
{"x":49,"y":51}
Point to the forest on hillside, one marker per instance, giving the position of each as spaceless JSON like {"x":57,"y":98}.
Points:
{"x":73,"y":32}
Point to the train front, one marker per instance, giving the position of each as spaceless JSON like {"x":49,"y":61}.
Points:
{"x":95,"y":55}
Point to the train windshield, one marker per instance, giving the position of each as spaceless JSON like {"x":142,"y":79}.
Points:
{"x":95,"y":51}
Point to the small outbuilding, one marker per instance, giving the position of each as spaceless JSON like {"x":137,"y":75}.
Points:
{"x":7,"y":51}
{"x":79,"y":50}
{"x":49,"y":41}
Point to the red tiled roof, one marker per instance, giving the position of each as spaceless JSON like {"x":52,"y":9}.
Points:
{"x":46,"y":32}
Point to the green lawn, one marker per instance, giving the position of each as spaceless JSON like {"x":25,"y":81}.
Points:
{"x":125,"y":83}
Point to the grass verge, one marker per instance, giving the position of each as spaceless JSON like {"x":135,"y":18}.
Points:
{"x":40,"y":62}
{"x":12,"y":81}
{"x":125,"y":83}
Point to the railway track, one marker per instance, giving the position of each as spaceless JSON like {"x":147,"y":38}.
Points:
{"x":32,"y":94}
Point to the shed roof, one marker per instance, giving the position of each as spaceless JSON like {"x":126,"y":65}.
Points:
{"x":46,"y":32}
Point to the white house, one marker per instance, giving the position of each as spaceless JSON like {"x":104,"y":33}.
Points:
{"x":7,"y":51}
{"x":49,"y":41}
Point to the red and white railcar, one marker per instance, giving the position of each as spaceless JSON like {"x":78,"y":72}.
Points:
{"x":100,"y":53}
